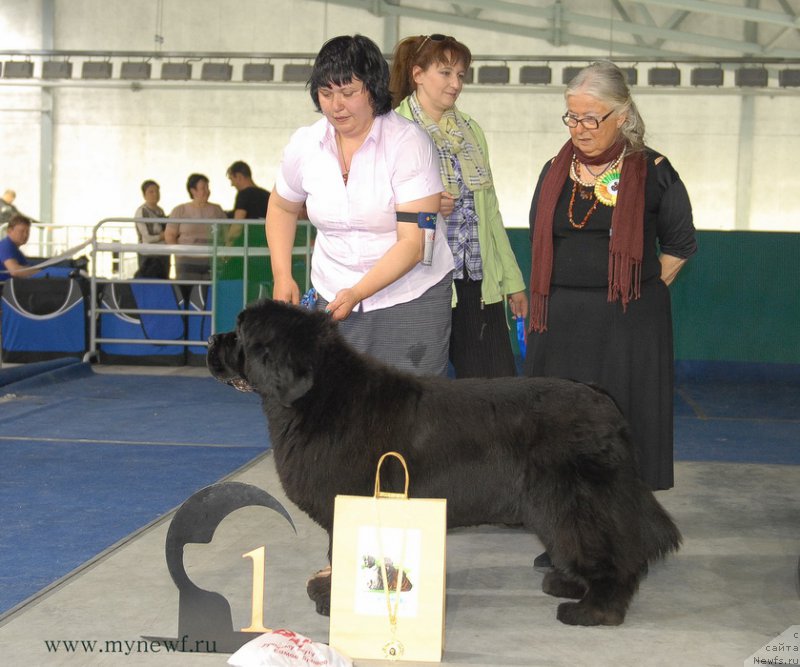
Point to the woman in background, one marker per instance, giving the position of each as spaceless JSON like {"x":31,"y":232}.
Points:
{"x":611,"y":226}
{"x":426,"y":80}
{"x":193,"y":267}
{"x":151,"y":266}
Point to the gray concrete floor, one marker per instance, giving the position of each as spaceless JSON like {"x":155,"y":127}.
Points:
{"x":731,"y":589}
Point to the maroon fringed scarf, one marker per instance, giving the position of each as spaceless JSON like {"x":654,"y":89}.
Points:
{"x":626,"y":247}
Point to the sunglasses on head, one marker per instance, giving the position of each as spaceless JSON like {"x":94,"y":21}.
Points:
{"x":435,"y":37}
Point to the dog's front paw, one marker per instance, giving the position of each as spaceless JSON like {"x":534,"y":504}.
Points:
{"x":318,"y":588}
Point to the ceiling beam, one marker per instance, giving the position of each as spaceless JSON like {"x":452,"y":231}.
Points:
{"x":731,"y":11}
{"x":559,"y":19}
{"x":680,"y":36}
{"x":544,"y":34}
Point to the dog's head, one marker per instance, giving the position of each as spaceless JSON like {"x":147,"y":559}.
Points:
{"x":273,"y":350}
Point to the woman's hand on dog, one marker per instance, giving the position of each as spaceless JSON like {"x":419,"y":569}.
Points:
{"x":286,"y":290}
{"x":342,"y":305}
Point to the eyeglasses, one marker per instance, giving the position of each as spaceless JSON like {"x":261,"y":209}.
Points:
{"x":435,"y":37}
{"x":590,"y":123}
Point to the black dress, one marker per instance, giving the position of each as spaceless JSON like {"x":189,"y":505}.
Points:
{"x":629,"y":353}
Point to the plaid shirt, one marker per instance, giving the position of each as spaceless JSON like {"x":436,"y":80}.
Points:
{"x":462,"y":231}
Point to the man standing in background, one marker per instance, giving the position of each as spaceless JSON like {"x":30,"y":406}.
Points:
{"x":251,"y":204}
{"x":251,"y":201}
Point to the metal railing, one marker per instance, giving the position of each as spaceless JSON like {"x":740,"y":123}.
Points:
{"x":103,"y":272}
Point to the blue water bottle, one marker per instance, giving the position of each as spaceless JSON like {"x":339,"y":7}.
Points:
{"x":521,"y":336}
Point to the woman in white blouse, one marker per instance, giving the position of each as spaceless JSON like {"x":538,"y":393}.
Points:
{"x":355,"y":170}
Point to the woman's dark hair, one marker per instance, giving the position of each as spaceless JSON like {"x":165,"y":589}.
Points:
{"x":192,"y":181}
{"x":423,"y":51}
{"x":147,"y":184}
{"x":341,"y":59}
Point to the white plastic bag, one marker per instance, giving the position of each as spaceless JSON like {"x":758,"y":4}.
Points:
{"x":284,"y":648}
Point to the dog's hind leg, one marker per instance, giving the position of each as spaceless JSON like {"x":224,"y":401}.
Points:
{"x":558,"y":584}
{"x":605,"y":602}
{"x":318,"y":588}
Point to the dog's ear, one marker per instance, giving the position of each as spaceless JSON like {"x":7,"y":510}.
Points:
{"x":279,"y":372}
{"x":280,"y":343}
{"x":293,"y":381}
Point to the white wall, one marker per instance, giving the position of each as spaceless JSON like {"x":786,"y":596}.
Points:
{"x":106,"y":141}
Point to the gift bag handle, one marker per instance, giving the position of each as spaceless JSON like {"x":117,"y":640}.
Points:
{"x":387,"y":494}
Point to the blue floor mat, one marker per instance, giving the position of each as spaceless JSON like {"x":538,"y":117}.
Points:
{"x":63,"y":503}
{"x":88,"y":459}
{"x":738,"y":413}
{"x":776,"y":401}
{"x":135,"y":408}
{"x":737,"y":441}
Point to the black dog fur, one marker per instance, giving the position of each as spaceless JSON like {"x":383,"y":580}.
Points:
{"x":552,"y":455}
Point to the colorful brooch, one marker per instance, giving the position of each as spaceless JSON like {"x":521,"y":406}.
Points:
{"x":607,"y":187}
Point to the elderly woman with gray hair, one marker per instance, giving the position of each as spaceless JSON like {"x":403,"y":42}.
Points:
{"x":611,"y":226}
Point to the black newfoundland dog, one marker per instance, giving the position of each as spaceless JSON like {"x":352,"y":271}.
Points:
{"x":552,"y":455}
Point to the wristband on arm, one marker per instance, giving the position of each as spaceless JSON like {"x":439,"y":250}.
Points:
{"x":426,"y":222}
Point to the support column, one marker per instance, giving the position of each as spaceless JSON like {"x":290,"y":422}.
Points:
{"x":46,"y":123}
{"x":744,"y":169}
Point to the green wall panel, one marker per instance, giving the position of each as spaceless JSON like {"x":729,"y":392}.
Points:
{"x":737,"y":299}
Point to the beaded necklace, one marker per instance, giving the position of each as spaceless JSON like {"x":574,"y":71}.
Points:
{"x":574,"y":172}
{"x":586,"y":217}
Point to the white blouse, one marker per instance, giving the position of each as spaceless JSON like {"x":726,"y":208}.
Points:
{"x":357,"y":222}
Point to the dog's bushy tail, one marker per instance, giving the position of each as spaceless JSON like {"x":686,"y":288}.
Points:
{"x":659,"y":531}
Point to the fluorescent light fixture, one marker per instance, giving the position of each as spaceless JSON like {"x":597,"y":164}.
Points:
{"x":535,"y":74}
{"x":216,"y":72}
{"x":18,"y":70}
{"x":135,"y":71}
{"x":96,"y":70}
{"x":297,"y":73}
{"x":494,"y":74}
{"x":176,"y":71}
{"x":258,"y":72}
{"x":664,"y":76}
{"x":707,"y":76}
{"x":752,"y":77}
{"x":631,"y":75}
{"x":569,"y":73}
{"x":789,"y":78}
{"x":56,"y":69}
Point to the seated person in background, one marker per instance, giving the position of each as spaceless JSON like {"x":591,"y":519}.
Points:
{"x":13,"y":264}
{"x":151,"y":266}
{"x":7,"y":208}
{"x":193,"y":267}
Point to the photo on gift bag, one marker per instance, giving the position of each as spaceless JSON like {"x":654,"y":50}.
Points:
{"x":401,"y":552}
{"x":376,"y":582}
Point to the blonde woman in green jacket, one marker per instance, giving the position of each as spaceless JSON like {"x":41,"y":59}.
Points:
{"x":426,"y":79}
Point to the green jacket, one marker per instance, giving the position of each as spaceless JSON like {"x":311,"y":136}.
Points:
{"x":501,"y":274}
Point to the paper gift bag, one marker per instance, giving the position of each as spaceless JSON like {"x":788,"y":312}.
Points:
{"x":388,"y":574}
